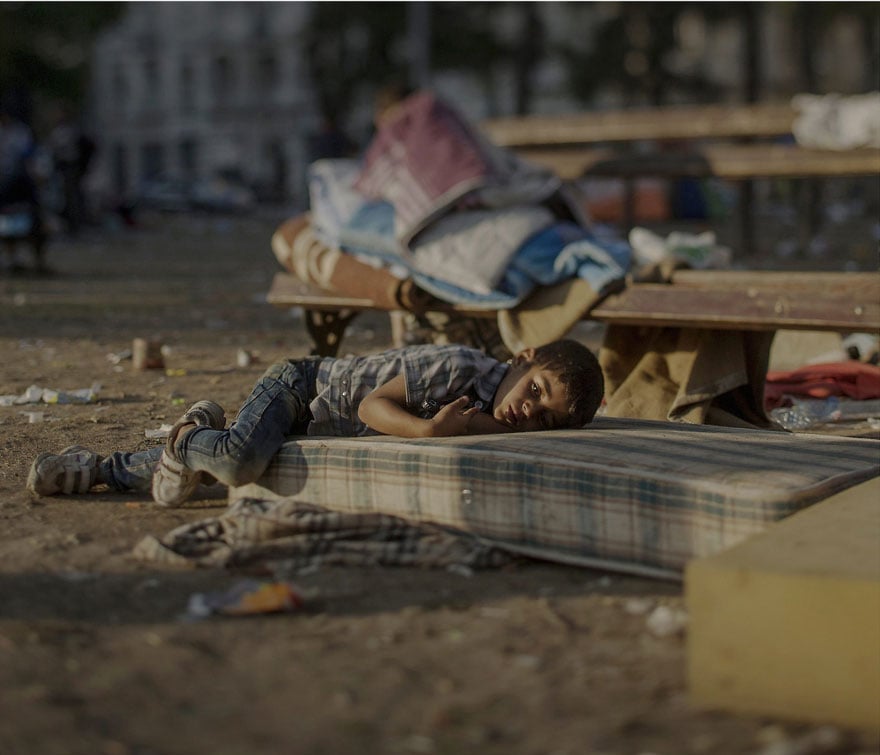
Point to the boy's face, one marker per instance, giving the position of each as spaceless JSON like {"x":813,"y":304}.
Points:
{"x":531,"y":398}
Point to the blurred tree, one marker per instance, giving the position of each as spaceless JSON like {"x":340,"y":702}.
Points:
{"x":633,"y":45}
{"x":353,"y":45}
{"x":347,"y":45}
{"x":813,"y":19}
{"x":45,"y":50}
{"x":471,"y":37}
{"x":527,"y":54}
{"x":632,"y":49}
{"x":466,"y":39}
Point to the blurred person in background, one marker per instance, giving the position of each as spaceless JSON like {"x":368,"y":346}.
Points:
{"x":20,"y":210}
{"x":72,"y":151}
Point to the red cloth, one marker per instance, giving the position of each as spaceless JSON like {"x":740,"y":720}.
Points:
{"x":852,"y":379}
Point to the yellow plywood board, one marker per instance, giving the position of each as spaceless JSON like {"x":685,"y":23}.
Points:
{"x":788,"y":623}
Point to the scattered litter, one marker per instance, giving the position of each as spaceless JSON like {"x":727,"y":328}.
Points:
{"x":638,"y":606}
{"x":823,"y":740}
{"x":665,"y":621}
{"x":246,"y":598}
{"x":244,"y":358}
{"x":119,"y":356}
{"x":34,"y":418}
{"x":699,"y":250}
{"x":461,"y":570}
{"x":526,"y":661}
{"x":861,"y":346}
{"x":160,"y":433}
{"x":176,"y":372}
{"x":805,"y":413}
{"x":35,"y":395}
{"x":146,"y":355}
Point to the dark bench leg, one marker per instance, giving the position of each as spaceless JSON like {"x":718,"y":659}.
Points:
{"x":326,"y":329}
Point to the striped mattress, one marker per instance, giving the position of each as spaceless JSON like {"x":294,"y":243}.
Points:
{"x":630,"y":495}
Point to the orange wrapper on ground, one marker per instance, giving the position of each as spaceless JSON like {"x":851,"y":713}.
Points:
{"x":247,"y":598}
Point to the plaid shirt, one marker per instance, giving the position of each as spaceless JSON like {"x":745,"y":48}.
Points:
{"x":434,"y":376}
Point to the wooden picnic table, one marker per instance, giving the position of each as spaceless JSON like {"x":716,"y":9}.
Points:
{"x":687,"y":141}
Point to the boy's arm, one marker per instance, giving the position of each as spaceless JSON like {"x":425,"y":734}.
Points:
{"x":384,"y":410}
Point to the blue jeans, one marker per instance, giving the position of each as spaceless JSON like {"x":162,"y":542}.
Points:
{"x":277,"y":408}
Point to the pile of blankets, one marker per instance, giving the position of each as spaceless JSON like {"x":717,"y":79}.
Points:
{"x":469,"y":222}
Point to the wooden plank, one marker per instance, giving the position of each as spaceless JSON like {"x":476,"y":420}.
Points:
{"x":865,"y":284}
{"x":732,"y":162}
{"x":288,"y":291}
{"x":788,"y":622}
{"x":739,"y":300}
{"x":750,"y":301}
{"x":665,"y":305}
{"x":743,"y":161}
{"x":663,"y":123}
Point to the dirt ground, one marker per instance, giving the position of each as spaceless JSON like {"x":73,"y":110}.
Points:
{"x":97,"y":657}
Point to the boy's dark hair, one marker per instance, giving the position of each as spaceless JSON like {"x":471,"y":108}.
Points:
{"x":577,"y":368}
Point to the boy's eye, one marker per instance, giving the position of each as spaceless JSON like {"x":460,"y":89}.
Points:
{"x":535,"y":389}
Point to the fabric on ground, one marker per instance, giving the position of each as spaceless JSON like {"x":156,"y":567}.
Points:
{"x":294,"y":535}
{"x":686,"y":374}
{"x":851,"y":379}
{"x":548,"y":314}
{"x":628,"y":495}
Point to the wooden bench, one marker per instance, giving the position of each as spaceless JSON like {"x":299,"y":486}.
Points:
{"x":599,"y":144}
{"x":571,"y":144}
{"x":716,"y":300}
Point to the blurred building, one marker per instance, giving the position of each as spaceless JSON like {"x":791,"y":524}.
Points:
{"x":193,"y":90}
{"x":186,"y":91}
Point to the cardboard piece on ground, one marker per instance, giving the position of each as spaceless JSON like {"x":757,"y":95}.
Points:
{"x":788,"y":622}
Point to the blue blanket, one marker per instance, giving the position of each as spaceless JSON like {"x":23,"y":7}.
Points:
{"x":558,"y":252}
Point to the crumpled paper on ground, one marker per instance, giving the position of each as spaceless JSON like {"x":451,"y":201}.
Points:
{"x":699,"y":251}
{"x":34,"y":394}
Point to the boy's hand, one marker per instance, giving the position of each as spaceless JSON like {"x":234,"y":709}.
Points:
{"x":453,"y":418}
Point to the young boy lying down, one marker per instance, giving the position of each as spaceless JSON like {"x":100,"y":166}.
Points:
{"x":415,"y":392}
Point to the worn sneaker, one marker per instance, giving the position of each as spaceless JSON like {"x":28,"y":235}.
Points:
{"x":74,"y":470}
{"x":173,"y":481}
